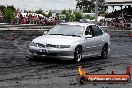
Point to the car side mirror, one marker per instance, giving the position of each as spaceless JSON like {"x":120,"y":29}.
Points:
{"x":45,"y":32}
{"x":88,"y":36}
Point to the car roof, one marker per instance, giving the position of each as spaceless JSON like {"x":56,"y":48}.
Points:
{"x":78,"y":23}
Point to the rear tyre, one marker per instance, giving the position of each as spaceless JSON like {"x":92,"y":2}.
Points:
{"x":104,"y":52}
{"x":78,"y":54}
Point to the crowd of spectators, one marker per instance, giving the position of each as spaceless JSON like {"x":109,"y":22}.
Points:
{"x":127,"y":11}
{"x":120,"y":22}
{"x":119,"y":18}
{"x":116,"y":22}
{"x":34,"y":19}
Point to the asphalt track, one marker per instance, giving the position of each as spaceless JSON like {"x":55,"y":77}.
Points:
{"x":17,"y":71}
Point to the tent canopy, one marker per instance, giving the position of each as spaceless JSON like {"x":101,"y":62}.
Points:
{"x":117,"y":2}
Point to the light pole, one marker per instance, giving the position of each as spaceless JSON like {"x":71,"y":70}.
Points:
{"x":96,"y":12}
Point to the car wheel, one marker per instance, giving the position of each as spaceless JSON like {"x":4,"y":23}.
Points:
{"x":104,"y":52}
{"x":78,"y":54}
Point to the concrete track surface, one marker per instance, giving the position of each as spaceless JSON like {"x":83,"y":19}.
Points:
{"x":17,"y":71}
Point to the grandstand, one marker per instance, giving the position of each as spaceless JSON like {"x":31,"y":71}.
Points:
{"x":117,"y":2}
{"x":122,"y":17}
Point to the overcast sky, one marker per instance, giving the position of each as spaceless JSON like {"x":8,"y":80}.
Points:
{"x":43,"y":4}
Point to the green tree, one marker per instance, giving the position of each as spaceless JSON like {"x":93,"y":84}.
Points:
{"x":69,"y":15}
{"x":88,"y":6}
{"x":12,"y":8}
{"x":44,"y":14}
{"x":78,"y":16}
{"x":9,"y":14}
{"x":40,"y":11}
{"x":72,"y":17}
{"x":102,"y":7}
{"x":85,"y":5}
{"x":64,"y":12}
{"x":49,"y":14}
{"x":89,"y":17}
{"x":2,"y":7}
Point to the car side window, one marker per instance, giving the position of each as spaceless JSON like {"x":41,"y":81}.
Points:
{"x":88,"y":31}
{"x":96,"y":30}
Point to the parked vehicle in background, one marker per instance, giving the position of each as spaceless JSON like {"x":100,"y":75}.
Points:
{"x":72,"y":41}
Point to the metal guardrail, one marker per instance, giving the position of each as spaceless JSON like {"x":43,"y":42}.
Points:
{"x":25,"y":27}
{"x":43,"y":27}
{"x":38,"y":30}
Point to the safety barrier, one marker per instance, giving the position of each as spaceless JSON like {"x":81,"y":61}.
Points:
{"x":29,"y":29}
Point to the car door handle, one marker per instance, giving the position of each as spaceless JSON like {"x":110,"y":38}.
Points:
{"x":88,"y":47}
{"x":100,"y":45}
{"x":94,"y":46}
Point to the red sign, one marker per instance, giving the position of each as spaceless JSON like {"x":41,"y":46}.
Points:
{"x":103,"y":78}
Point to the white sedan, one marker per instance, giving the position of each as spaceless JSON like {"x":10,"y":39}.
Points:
{"x":72,"y":41}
